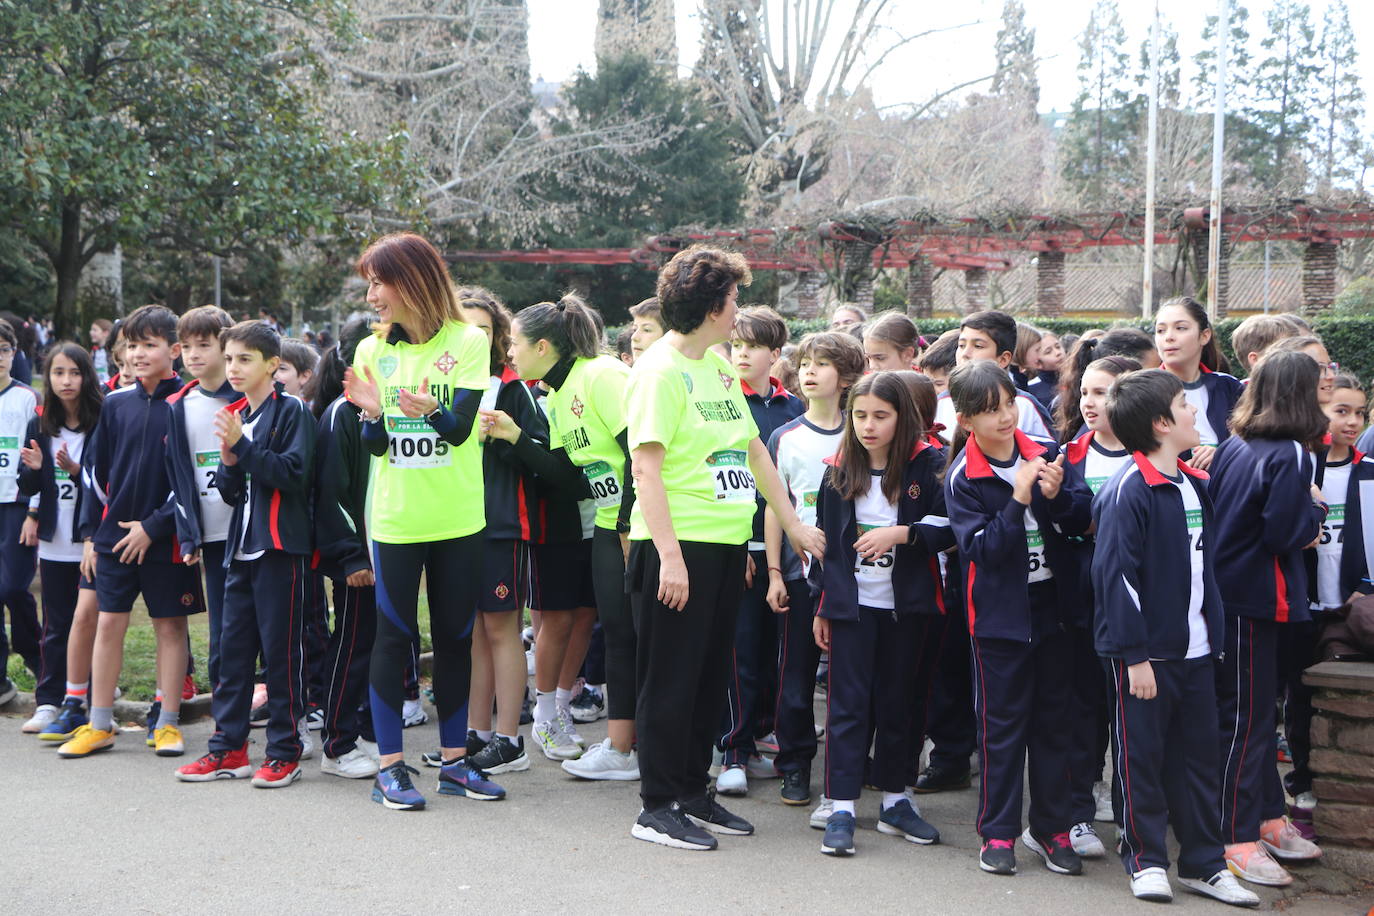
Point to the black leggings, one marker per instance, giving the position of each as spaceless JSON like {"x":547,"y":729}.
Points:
{"x":617,"y":623}
{"x":451,"y":570}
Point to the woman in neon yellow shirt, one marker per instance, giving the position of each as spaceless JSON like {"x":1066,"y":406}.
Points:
{"x":697,"y":462}
{"x":559,"y":344}
{"x":418,"y":382}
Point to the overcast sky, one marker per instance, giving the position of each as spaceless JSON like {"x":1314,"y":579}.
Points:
{"x":561,"y":34}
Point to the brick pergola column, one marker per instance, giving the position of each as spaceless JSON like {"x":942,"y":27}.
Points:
{"x":858,"y":264}
{"x":1319,"y":275}
{"x":1222,"y":294}
{"x":975,"y":289}
{"x":920,"y":288}
{"x":810,"y":283}
{"x":1049,"y":283}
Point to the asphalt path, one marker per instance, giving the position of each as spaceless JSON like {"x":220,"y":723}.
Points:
{"x":117,"y":833}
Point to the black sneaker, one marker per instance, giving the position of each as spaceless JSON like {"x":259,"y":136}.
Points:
{"x":526,"y":710}
{"x":998,"y":857}
{"x":588,"y":706}
{"x":435,"y":758}
{"x":258,"y":717}
{"x":708,"y":813}
{"x":839,"y":835}
{"x":903,"y":820}
{"x":154,"y":713}
{"x":501,"y":755}
{"x":941,"y":779}
{"x":669,"y":826}
{"x":1057,"y":852}
{"x":796,"y":786}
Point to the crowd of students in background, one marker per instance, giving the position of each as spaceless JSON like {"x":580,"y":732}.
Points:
{"x":1049,"y":552}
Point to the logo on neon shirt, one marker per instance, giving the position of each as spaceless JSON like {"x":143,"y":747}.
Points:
{"x":445,"y":363}
{"x":577,"y":407}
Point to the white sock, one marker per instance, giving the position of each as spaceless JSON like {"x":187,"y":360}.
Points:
{"x":564,"y":698}
{"x":891,"y":798}
{"x":847,"y":806}
{"x":484,"y":734}
{"x":544,"y":706}
{"x":511,"y":738}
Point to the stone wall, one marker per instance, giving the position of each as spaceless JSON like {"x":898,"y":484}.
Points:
{"x":1343,"y":764}
{"x":1319,"y":276}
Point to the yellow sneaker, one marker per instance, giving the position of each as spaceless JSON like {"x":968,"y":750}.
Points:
{"x":167,"y":741}
{"x":87,"y":741}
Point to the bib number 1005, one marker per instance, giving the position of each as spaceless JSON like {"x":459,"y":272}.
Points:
{"x":415,"y":444}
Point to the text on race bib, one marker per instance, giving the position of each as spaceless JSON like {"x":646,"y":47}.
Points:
{"x":1038,"y":568}
{"x":1097,"y":483}
{"x":9,"y":456}
{"x":415,"y":444}
{"x":880,"y":568}
{"x":1333,"y":529}
{"x":207,"y":467}
{"x":605,"y":485}
{"x":66,"y":487}
{"x":1194,"y":517}
{"x":729,"y":470}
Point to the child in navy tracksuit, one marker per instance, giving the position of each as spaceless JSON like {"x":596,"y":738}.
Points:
{"x":1188,"y":348}
{"x":882,"y":510}
{"x":267,"y":443}
{"x":1158,"y":629}
{"x":18,"y":405}
{"x":1014,"y":507}
{"x":1268,"y":511}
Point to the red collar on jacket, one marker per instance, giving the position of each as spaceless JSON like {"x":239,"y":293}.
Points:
{"x":1077,"y":450}
{"x":921,"y":446}
{"x":508,"y":375}
{"x":1154,"y":478}
{"x":775,"y":389}
{"x":976,"y":463}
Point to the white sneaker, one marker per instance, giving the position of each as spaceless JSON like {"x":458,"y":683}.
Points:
{"x":1102,"y":798}
{"x":603,"y":761}
{"x":1152,"y":884}
{"x":1305,"y":800}
{"x":413,"y":713}
{"x":356,"y":764}
{"x":307,"y":746}
{"x":550,"y":739}
{"x":568,"y":727}
{"x":761,"y":768}
{"x":1224,"y":887}
{"x":42,"y":718}
{"x":529,"y":662}
{"x":1087,"y":844}
{"x":370,"y":749}
{"x":733,"y":781}
{"x":822,"y":813}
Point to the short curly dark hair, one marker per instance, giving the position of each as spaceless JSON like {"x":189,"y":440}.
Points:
{"x":695,"y":283}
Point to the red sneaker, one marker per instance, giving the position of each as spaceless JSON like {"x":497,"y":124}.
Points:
{"x":217,"y":765}
{"x":188,"y":688}
{"x":274,"y":774}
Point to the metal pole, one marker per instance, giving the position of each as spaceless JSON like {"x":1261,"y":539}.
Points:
{"x":217,"y":284}
{"x":1147,"y":280}
{"x":1218,"y":148}
{"x":1267,"y":245}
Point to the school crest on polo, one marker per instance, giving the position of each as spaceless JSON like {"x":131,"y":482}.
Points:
{"x":502,"y":591}
{"x":445,"y":363}
{"x":914,"y":491}
{"x":688,"y":379}
{"x":387,"y":365}
{"x":577,"y":407}
{"x":726,"y":379}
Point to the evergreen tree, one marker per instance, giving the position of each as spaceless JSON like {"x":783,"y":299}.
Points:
{"x":1340,"y":100}
{"x":1102,"y":125}
{"x":1016,"y":79}
{"x":1285,"y":82}
{"x":1238,"y":60}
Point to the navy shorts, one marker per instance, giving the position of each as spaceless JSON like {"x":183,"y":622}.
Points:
{"x":168,"y":589}
{"x":504,"y":576}
{"x":561,"y":576}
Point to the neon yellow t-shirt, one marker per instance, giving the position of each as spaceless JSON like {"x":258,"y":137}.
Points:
{"x":695,"y":409}
{"x":586,"y":413}
{"x":423,"y":488}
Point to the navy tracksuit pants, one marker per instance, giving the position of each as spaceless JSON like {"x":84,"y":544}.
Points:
{"x":950,"y":724}
{"x":753,"y":669}
{"x":872,"y":678}
{"x":264,"y":605}
{"x":1089,"y":720}
{"x":212,"y":561}
{"x":1298,"y":651}
{"x":939,"y":632}
{"x":316,"y":640}
{"x":794,"y":713}
{"x":17,"y":565}
{"x":1020,"y":693}
{"x":1247,"y":684}
{"x":346,"y":663}
{"x":1166,"y":768}
{"x":60,"y":583}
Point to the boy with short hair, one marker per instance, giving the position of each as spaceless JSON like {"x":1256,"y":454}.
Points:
{"x":939,"y":360}
{"x":128,"y":523}
{"x":760,"y":334}
{"x":991,"y":335}
{"x":623,"y":346}
{"x":297,"y":367}
{"x":267,"y":442}
{"x":18,"y":405}
{"x":1158,"y":628}
{"x":202,"y":517}
{"x":1255,"y":334}
{"x":647,"y":324}
{"x":828,"y":363}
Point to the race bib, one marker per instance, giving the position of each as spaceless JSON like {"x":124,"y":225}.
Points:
{"x":207,"y":466}
{"x":1333,"y":530}
{"x":1038,"y":569}
{"x":605,"y":486}
{"x":9,"y":456}
{"x":1097,"y":483}
{"x":729,"y":470}
{"x":415,"y":444}
{"x":66,"y":487}
{"x":1194,"y":517}
{"x":881,"y":568}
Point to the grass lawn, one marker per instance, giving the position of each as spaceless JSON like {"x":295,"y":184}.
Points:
{"x":138,"y":679}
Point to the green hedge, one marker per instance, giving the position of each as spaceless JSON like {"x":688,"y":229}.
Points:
{"x":1349,"y":340}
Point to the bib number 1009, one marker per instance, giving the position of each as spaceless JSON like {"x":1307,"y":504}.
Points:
{"x":730,"y":473}
{"x":415,"y":444}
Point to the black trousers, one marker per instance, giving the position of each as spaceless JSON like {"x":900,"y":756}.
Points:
{"x":346,"y":661}
{"x":950,"y":725}
{"x":1020,"y":693}
{"x":60,"y":583}
{"x":794,"y":712}
{"x":753,"y":669}
{"x":17,"y":565}
{"x":682,"y":663}
{"x":936,"y":630}
{"x":212,"y":561}
{"x":1247,"y":684}
{"x":617,"y":623}
{"x":872,"y":675}
{"x":1297,"y":651}
{"x":1166,"y":766}
{"x":264,"y":606}
{"x":1089,"y":718}
{"x":316,"y":639}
